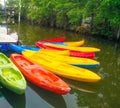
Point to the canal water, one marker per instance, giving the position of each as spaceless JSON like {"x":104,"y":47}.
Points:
{"x":103,"y":94}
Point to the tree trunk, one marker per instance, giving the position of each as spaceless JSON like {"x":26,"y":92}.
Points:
{"x":91,"y":24}
{"x":118,"y":32}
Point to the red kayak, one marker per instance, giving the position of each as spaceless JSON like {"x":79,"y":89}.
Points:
{"x":58,"y":39}
{"x":39,"y":76}
{"x":72,"y":53}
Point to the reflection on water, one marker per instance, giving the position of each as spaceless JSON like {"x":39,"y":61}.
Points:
{"x":55,"y":100}
{"x":30,"y":34}
{"x":1,"y":95}
{"x":104,"y":94}
{"x":15,"y":100}
{"x":81,"y":86}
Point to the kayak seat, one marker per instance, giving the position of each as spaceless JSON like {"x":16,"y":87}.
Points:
{"x":2,"y":62}
{"x":11,"y":74}
{"x":46,"y":75}
{"x":24,"y":64}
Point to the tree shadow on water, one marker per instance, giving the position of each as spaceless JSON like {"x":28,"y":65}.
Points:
{"x":56,"y":100}
{"x":15,"y":100}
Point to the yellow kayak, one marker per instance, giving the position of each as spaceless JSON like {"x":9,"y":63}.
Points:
{"x":75,"y":43}
{"x":56,"y":52}
{"x":81,"y":49}
{"x":76,"y":61}
{"x":63,"y":69}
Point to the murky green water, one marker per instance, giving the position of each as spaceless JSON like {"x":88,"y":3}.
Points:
{"x":104,"y":94}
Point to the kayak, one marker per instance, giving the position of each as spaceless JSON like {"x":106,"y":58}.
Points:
{"x":75,"y":61}
{"x":20,"y":48}
{"x":63,"y":69}
{"x":56,"y":52}
{"x":3,"y":47}
{"x":10,"y":76}
{"x":58,"y":43}
{"x":72,"y":43}
{"x":40,"y":76}
{"x":75,"y":43}
{"x":57,"y":39}
{"x":71,"y":52}
{"x":82,"y":49}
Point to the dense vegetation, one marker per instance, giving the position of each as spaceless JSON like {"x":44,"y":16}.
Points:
{"x":97,"y":17}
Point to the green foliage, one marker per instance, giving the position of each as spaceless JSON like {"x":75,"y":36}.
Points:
{"x":75,"y":16}
{"x":103,"y":15}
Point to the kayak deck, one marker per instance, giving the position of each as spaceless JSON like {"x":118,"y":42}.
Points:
{"x":10,"y":76}
{"x":63,"y":69}
{"x":40,"y":76}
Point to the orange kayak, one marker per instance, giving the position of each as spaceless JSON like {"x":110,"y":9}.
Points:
{"x":39,"y":76}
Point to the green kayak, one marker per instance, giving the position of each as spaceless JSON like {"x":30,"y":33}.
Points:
{"x":10,"y":76}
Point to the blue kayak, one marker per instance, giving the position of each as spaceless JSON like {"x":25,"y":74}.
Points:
{"x":3,"y":47}
{"x":20,"y":48}
{"x":58,"y":43}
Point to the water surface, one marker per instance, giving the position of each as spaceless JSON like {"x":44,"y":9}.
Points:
{"x":104,"y":94}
